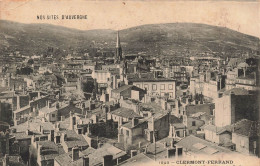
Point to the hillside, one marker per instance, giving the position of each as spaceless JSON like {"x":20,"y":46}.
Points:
{"x":157,"y":39}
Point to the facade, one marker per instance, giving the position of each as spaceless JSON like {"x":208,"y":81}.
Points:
{"x":230,"y":108}
{"x":157,"y":87}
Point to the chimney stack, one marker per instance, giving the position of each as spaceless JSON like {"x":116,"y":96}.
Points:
{"x":145,"y":149}
{"x":51,"y":136}
{"x":75,"y":153}
{"x":18,"y":102}
{"x":108,"y":160}
{"x":63,"y":137}
{"x":72,"y":121}
{"x":179,"y":151}
{"x":40,"y":149}
{"x":171,"y":152}
{"x":85,"y":161}
{"x":134,"y":122}
{"x":165,"y":144}
{"x":172,"y":143}
{"x":133,"y":153}
{"x":57,"y":139}
{"x":6,"y":160}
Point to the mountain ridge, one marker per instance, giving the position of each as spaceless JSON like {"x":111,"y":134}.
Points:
{"x":167,"y":38}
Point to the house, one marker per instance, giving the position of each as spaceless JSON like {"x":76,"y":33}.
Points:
{"x":194,"y":146}
{"x":105,"y":155}
{"x":124,"y":114}
{"x":132,"y":132}
{"x":245,"y":136}
{"x":128,"y":91}
{"x":156,"y":86}
{"x":219,"y":135}
{"x":234,"y":105}
{"x":45,"y":152}
{"x":70,"y":139}
{"x":158,"y":126}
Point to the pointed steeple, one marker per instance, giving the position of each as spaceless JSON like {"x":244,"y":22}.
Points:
{"x":118,"y":57}
{"x":118,"y":40}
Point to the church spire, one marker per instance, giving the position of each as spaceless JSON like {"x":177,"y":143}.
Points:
{"x":118,"y":40}
{"x":118,"y":49}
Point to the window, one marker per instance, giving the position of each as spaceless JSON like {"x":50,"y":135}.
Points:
{"x":193,"y":123}
{"x":53,"y":115}
{"x":170,"y":87}
{"x":127,"y":132}
{"x":162,"y":87}
{"x":154,"y":87}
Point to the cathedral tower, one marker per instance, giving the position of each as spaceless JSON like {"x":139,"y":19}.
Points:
{"x":118,"y":49}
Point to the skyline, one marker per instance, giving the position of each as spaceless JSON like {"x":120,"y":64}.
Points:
{"x":239,"y":16}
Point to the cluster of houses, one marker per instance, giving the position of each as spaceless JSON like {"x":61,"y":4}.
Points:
{"x":128,"y":110}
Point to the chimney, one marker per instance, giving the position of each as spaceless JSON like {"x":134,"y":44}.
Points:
{"x":6,"y":160}
{"x":134,"y":122}
{"x":100,"y":145}
{"x":51,"y":136}
{"x":63,"y":137}
{"x":72,"y":121}
{"x":40,"y":128}
{"x":171,"y":152}
{"x":244,"y":70}
{"x":145,"y":149}
{"x":79,"y":130}
{"x":40,"y":149}
{"x":107,"y":160}
{"x":133,"y":153}
{"x":48,"y":104}
{"x":85,"y":161}
{"x":39,"y":94}
{"x":75,"y":153}
{"x":172,"y":143}
{"x":114,"y":82}
{"x":33,"y":139}
{"x":57,"y":139}
{"x":179,"y":151}
{"x":18,"y":102}
{"x":165,"y":144}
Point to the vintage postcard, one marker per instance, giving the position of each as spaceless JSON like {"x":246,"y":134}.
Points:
{"x":129,"y":83}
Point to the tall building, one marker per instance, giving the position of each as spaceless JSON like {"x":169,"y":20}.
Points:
{"x":118,"y":49}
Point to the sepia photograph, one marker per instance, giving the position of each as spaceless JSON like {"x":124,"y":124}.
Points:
{"x":129,"y":82}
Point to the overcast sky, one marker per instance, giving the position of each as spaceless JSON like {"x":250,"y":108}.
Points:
{"x":240,"y":16}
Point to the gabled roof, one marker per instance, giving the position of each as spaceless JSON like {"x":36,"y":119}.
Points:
{"x":200,"y":146}
{"x":125,"y":113}
{"x":139,"y":159}
{"x":237,"y":91}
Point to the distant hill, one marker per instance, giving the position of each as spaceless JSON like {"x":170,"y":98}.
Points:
{"x":168,"y":39}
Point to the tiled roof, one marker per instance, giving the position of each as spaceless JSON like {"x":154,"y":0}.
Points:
{"x":50,"y":150}
{"x":95,"y":156}
{"x":247,"y":128}
{"x":73,"y":139}
{"x":192,"y":109}
{"x":217,"y":130}
{"x":122,"y":88}
{"x":237,"y":91}
{"x":139,"y":159}
{"x":125,"y":113}
{"x":129,"y":124}
{"x":200,"y":146}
